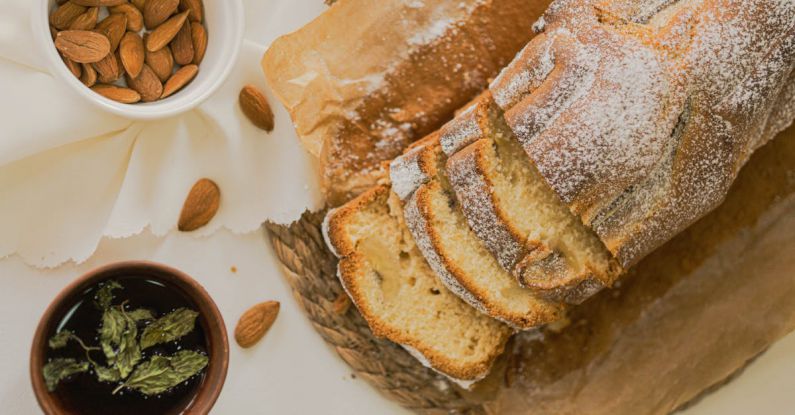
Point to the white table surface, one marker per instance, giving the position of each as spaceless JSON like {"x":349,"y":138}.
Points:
{"x":291,"y":371}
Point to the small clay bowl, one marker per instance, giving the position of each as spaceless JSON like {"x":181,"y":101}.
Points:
{"x":212,"y":324}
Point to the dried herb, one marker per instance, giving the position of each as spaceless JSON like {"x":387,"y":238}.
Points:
{"x":129,"y":352}
{"x":59,"y":369}
{"x":107,"y":374}
{"x":61,"y":339}
{"x":141,"y":314}
{"x":104,"y":296}
{"x":110,"y":333}
{"x":162,"y":373}
{"x":168,"y":328}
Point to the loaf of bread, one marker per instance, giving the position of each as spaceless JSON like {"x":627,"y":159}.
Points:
{"x":368,"y":77}
{"x":400,"y":296}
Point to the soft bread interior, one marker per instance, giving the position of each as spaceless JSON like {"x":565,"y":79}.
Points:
{"x":400,"y":296}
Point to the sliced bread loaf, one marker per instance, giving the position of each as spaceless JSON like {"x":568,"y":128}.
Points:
{"x":453,"y":251}
{"x":399,"y":295}
{"x":521,"y":220}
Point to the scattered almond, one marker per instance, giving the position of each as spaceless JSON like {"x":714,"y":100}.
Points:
{"x":131,"y":52}
{"x":86,"y":21}
{"x":64,"y":15}
{"x":158,"y":11}
{"x":182,"y":45}
{"x":99,"y":3}
{"x":89,"y":75}
{"x":255,"y":322}
{"x":195,"y":7}
{"x":200,"y":206}
{"x":146,"y":83}
{"x":199,"y":37}
{"x":82,"y":46}
{"x":180,"y":78}
{"x":341,"y":304}
{"x":165,"y":33}
{"x":135,"y":19}
{"x":74,"y":67}
{"x":108,"y":69}
{"x":114,"y":27}
{"x":255,"y":106}
{"x":162,"y":62}
{"x":117,"y":93}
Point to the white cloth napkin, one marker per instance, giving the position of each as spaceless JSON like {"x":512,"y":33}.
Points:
{"x":71,"y":174}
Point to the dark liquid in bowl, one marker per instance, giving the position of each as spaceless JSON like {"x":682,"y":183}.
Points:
{"x":84,"y":394}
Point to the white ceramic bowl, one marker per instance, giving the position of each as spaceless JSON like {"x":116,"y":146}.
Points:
{"x":225,"y":23}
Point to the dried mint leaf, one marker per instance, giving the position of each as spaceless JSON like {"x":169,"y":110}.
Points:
{"x":129,"y":352}
{"x":141,"y":314}
{"x":60,"y":339}
{"x":168,"y":328}
{"x":107,"y":374}
{"x":59,"y":369}
{"x":104,"y":295}
{"x":110,"y":333}
{"x":161,"y":373}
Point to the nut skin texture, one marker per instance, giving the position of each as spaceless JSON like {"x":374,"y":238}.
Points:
{"x":182,"y":45}
{"x":158,"y":11}
{"x":108,"y":69}
{"x":117,"y":93}
{"x":256,"y":108}
{"x":64,"y":15}
{"x":131,"y":52}
{"x":165,"y":33}
{"x":135,"y":20}
{"x":255,"y":323}
{"x":162,"y":62}
{"x":114,"y":27}
{"x":180,"y":78}
{"x":82,"y":46}
{"x":147,"y":84}
{"x":200,"y":206}
{"x":195,"y":7}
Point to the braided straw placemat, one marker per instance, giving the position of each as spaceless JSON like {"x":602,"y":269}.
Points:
{"x":310,"y":269}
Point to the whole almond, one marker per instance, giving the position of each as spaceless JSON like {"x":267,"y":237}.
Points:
{"x":180,"y":78}
{"x":157,"y":11}
{"x":165,"y":32}
{"x":182,"y":45}
{"x":195,"y":7}
{"x":255,"y":322}
{"x":200,"y":206}
{"x":99,"y":3}
{"x":82,"y":46}
{"x":146,"y":83}
{"x":64,"y":15}
{"x":74,"y":67}
{"x":199,"y":37}
{"x":114,"y":27}
{"x":255,"y":106}
{"x":135,"y":20}
{"x":86,"y":21}
{"x":139,"y":4}
{"x":89,"y":76}
{"x":162,"y":62}
{"x":117,"y":93}
{"x":108,"y":69}
{"x":131,"y":52}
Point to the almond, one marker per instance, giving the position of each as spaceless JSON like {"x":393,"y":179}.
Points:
{"x":162,"y":62}
{"x":165,"y":32}
{"x":182,"y":45}
{"x":180,"y":78}
{"x":64,"y":15}
{"x":147,"y":84}
{"x":195,"y":7}
{"x":82,"y":46}
{"x":74,"y":67}
{"x":53,"y":32}
{"x":200,"y":206}
{"x":255,"y":106}
{"x":117,"y":93}
{"x":135,"y":20}
{"x":255,"y":322}
{"x":157,"y":11}
{"x":108,"y":69}
{"x":139,"y":4}
{"x":131,"y":52}
{"x":89,"y":76}
{"x":113,"y":27}
{"x":86,"y":21}
{"x":199,"y":37}
{"x":99,"y":3}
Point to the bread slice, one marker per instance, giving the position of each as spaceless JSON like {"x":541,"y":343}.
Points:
{"x":399,"y":295}
{"x":453,"y":251}
{"x":521,"y":220}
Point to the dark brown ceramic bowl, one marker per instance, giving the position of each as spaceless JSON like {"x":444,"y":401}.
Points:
{"x":211,"y":321}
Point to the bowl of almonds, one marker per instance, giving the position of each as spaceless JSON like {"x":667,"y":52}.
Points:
{"x":141,"y":59}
